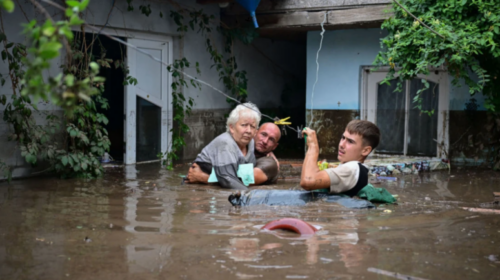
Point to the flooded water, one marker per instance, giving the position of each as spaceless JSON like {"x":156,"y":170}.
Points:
{"x":139,"y":222}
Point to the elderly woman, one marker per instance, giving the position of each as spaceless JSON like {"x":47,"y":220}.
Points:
{"x":232,"y":148}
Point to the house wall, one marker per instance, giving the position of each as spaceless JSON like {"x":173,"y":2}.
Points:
{"x":268,"y":64}
{"x":337,"y":93}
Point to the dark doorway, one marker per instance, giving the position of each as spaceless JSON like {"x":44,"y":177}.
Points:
{"x":148,"y":130}
{"x":114,"y":90}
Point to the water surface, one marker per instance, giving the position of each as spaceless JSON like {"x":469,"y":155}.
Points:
{"x":139,"y":222}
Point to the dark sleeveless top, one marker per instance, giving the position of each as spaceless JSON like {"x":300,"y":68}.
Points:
{"x":362,"y":181}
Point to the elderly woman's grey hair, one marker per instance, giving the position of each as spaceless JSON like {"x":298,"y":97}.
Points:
{"x":248,"y":109}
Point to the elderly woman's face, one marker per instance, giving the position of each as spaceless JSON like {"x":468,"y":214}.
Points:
{"x":244,"y":130}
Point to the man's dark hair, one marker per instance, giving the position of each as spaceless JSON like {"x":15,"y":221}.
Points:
{"x":368,"y":131}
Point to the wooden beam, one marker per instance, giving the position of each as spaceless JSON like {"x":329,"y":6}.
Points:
{"x":370,"y":14}
{"x":359,"y":15}
{"x":205,"y":2}
{"x":290,"y":19}
{"x":273,"y":6}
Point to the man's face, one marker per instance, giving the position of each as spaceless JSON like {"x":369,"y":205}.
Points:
{"x":266,"y":139}
{"x":351,"y":148}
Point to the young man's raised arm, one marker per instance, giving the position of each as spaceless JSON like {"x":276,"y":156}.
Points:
{"x":312,"y":178}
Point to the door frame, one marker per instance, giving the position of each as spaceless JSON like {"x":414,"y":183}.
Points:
{"x":438,"y":75}
{"x":132,"y":92}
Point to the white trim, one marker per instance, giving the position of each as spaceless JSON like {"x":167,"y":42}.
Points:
{"x":127,"y":33}
{"x":164,"y":102}
{"x":368,"y":102}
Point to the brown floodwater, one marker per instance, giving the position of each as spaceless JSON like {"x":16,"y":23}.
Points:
{"x":139,"y":222}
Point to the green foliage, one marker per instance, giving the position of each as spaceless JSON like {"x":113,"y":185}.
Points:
{"x":77,"y":90}
{"x":182,"y":108}
{"x":47,"y":42}
{"x":86,"y":136}
{"x":467,"y":47}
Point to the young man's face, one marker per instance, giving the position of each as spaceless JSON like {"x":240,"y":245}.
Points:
{"x":351,"y":148}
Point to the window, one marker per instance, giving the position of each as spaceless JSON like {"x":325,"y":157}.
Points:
{"x":405,"y":130}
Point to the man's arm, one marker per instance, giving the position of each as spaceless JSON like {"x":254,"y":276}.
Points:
{"x":312,"y":178}
{"x":196,"y":176}
{"x":271,"y":154}
{"x":259,"y":176}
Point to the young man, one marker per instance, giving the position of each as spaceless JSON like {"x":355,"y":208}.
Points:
{"x":267,"y":167}
{"x":358,"y":140}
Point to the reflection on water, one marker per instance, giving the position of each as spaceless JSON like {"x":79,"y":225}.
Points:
{"x":138,"y":222}
{"x":149,"y":216}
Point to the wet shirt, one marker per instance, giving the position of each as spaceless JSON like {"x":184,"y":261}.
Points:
{"x":225,"y":156}
{"x":269,"y":166}
{"x":347,"y":177}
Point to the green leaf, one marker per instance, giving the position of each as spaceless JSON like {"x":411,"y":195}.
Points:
{"x":64,"y":160}
{"x":75,"y":20}
{"x":83,"y":5}
{"x":8,"y":5}
{"x":49,"y":31}
{"x":69,"y":80}
{"x":50,"y":50}
{"x":30,"y":158}
{"x":73,"y":4}
{"x":94,"y":66}
{"x":84,"y":165}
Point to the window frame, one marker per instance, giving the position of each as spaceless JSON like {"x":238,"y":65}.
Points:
{"x":371,"y":78}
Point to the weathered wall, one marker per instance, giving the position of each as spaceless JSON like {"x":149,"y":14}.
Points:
{"x":205,"y":125}
{"x":474,"y":138}
{"x":329,"y":126}
{"x":270,"y":66}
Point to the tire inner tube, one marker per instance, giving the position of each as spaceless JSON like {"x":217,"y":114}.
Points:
{"x":292,"y":224}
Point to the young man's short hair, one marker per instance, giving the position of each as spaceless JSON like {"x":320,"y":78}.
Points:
{"x":368,"y":131}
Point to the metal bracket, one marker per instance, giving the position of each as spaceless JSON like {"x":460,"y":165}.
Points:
{"x":299,"y":131}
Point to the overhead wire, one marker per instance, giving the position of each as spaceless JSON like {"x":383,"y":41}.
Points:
{"x":317,"y":66}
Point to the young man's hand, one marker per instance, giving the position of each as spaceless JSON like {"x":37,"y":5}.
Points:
{"x":312,"y":178}
{"x":196,"y":176}
{"x":312,"y":139}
